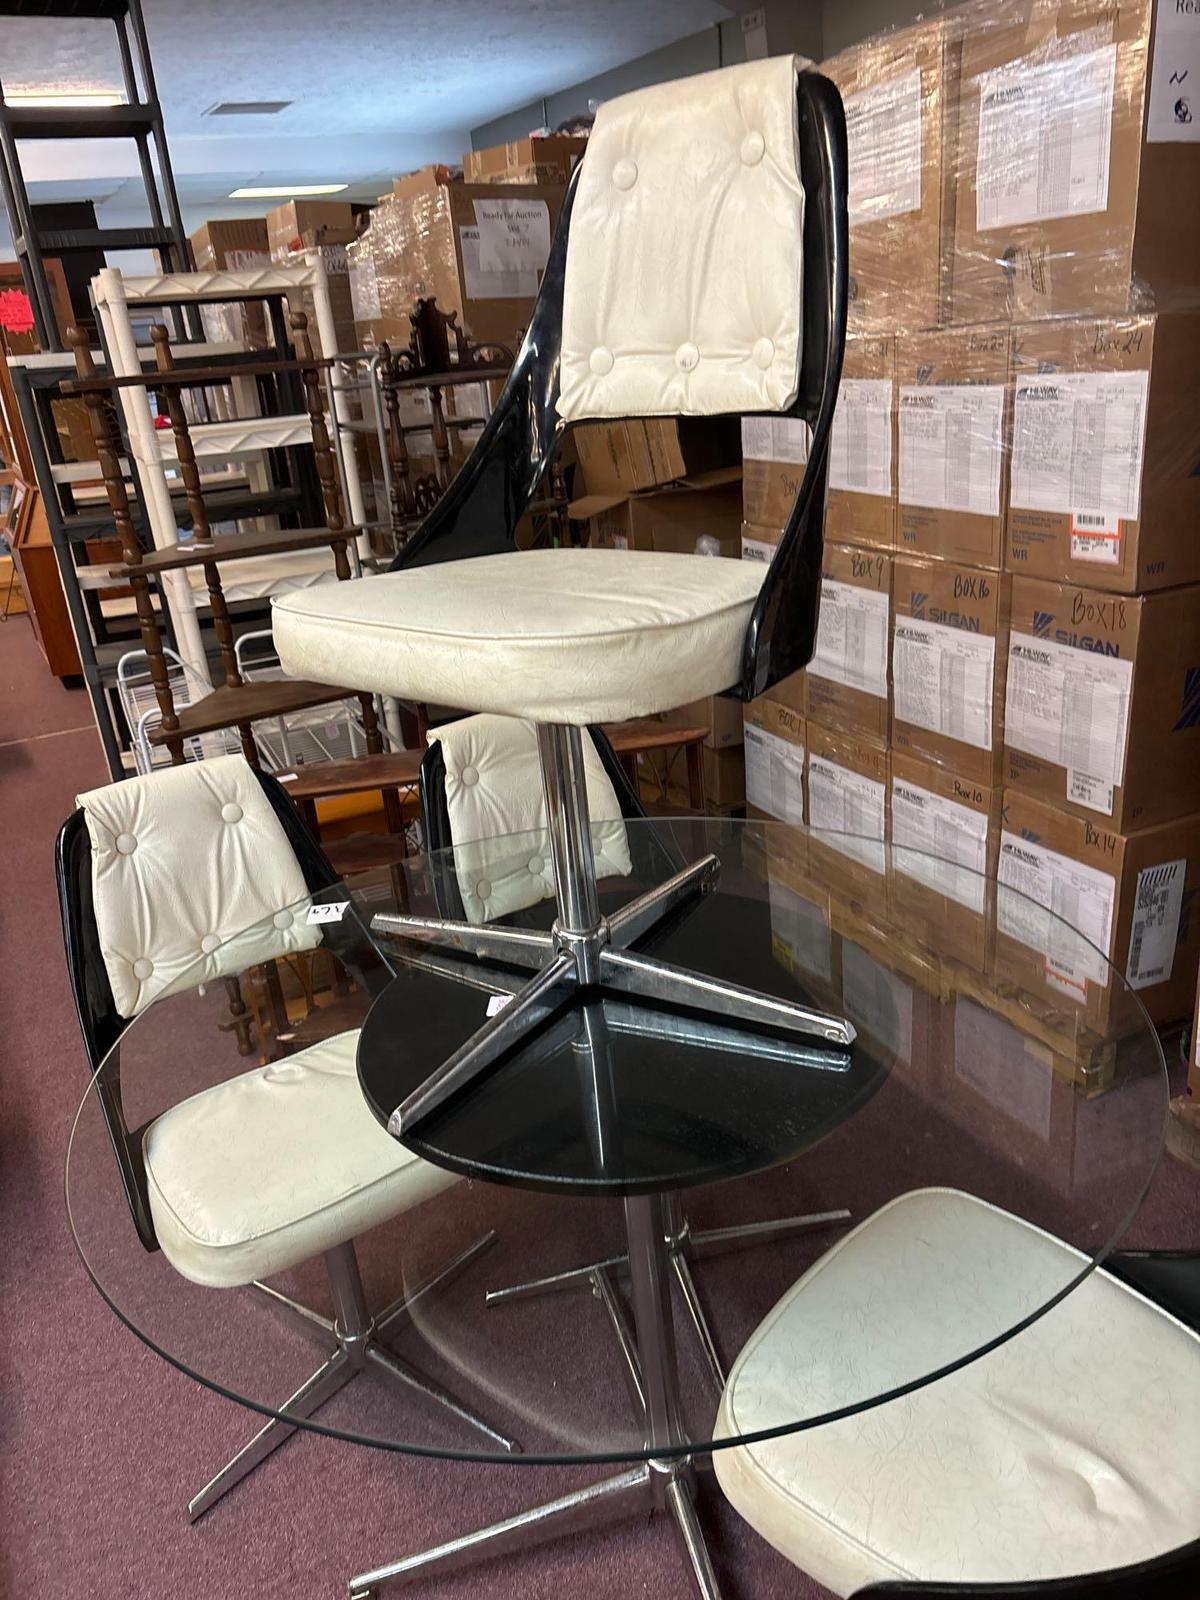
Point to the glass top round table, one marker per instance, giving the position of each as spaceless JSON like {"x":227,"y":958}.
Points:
{"x":995,"y":1053}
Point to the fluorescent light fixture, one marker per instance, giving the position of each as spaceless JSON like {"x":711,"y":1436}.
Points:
{"x":69,"y":98}
{"x":292,"y":192}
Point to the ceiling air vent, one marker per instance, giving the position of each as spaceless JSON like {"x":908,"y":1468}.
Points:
{"x":247,"y":108}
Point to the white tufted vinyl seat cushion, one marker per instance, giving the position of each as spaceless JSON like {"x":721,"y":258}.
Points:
{"x":264,"y":1170}
{"x":497,"y":812}
{"x":685,"y":251}
{"x":1072,"y":1448}
{"x":184,"y":860}
{"x":567,"y":636}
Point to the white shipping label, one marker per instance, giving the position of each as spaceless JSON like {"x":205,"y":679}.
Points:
{"x":1078,"y":443}
{"x":1152,"y":938}
{"x":801,"y":929}
{"x":1044,"y":138}
{"x":775,"y":439}
{"x":1070,"y":707}
{"x":1062,"y":908}
{"x":852,"y":637}
{"x":940,"y":843}
{"x":877,"y":1001}
{"x":952,"y":446}
{"x":1173,"y":115}
{"x":758,"y":550}
{"x":860,"y":441}
{"x":774,"y":775}
{"x":364,"y":289}
{"x":942,"y":679}
{"x":883,"y":138}
{"x":851,"y":807}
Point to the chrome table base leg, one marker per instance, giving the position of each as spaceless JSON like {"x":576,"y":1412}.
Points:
{"x":652,"y":1487}
{"x":624,"y":1495}
{"x":357,"y":1340}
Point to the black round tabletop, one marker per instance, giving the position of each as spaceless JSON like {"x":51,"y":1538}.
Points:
{"x":613,"y":1096}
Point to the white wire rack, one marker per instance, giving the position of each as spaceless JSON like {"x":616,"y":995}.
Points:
{"x":135,"y":689}
{"x":321,"y":733}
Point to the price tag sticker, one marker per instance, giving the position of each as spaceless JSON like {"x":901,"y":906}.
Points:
{"x":332,"y":911}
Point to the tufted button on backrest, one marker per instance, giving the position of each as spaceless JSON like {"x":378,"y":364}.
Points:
{"x":685,"y":252}
{"x":184,"y":861}
{"x":498,"y":820}
{"x":754,"y":147}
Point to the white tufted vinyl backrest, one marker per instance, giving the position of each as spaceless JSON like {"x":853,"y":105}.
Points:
{"x":182,"y":861}
{"x":685,"y":251}
{"x":498,"y":815}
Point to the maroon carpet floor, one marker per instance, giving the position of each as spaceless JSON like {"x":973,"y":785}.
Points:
{"x":103,"y":1442}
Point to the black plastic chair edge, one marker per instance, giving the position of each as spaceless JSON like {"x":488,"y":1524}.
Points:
{"x":100,"y":1023}
{"x":1171,"y":1279}
{"x":1175,"y":1576}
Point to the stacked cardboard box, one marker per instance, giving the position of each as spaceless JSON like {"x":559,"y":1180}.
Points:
{"x":549,"y":158}
{"x":327,"y":227}
{"x":233,"y":245}
{"x":478,"y":249}
{"x":1018,"y":445}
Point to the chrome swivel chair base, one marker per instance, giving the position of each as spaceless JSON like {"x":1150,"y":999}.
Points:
{"x":359,"y":1343}
{"x":584,"y":950}
{"x":659,"y":1485}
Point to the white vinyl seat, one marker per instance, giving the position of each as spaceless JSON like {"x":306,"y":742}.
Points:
{"x":253,"y":1175}
{"x":564,"y":636}
{"x":1072,"y":1448}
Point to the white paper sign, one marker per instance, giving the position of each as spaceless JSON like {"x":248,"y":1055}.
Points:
{"x":331,"y":911}
{"x":942,"y":679}
{"x":883,"y":137}
{"x":851,"y":807}
{"x":1070,"y":707}
{"x":774,"y":775}
{"x":505,"y":253}
{"x":1078,"y":443}
{"x":951,"y":839}
{"x":1044,"y":137}
{"x":860,"y":441}
{"x":1155,"y":931}
{"x":775,"y":439}
{"x":852,"y":637}
{"x":801,"y":929}
{"x":1174,"y":111}
{"x":952,"y":446}
{"x":1080,"y":899}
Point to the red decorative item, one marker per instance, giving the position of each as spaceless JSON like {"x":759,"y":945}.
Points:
{"x":16,"y":313}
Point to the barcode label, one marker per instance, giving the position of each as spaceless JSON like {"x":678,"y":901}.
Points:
{"x":1156,"y":907}
{"x":1089,"y":519}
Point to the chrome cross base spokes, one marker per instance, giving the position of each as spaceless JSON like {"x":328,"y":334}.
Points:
{"x":585,"y":950}
{"x":662,"y":1485}
{"x":358,"y":1341}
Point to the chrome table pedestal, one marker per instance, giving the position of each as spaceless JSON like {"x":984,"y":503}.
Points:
{"x":657,"y":1486}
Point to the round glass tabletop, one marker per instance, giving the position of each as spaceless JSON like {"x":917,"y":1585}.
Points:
{"x":996,"y":1053}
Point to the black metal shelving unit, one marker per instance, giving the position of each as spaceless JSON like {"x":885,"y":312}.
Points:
{"x":140,"y":120}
